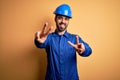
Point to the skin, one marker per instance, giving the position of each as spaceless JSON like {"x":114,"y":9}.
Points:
{"x":61,"y":26}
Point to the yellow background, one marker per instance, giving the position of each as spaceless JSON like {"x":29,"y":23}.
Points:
{"x":96,"y":21}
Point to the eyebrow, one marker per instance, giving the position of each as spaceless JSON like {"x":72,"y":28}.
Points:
{"x":62,"y":15}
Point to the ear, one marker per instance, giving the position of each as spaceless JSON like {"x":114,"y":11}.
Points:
{"x":55,"y":18}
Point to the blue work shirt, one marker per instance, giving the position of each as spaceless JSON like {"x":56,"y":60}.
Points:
{"x":61,"y":57}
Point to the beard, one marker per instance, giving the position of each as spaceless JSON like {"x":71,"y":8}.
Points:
{"x":60,"y":27}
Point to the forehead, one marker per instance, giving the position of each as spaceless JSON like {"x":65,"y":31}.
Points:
{"x":62,"y":16}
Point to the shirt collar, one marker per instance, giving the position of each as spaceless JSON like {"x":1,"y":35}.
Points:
{"x":66,"y":34}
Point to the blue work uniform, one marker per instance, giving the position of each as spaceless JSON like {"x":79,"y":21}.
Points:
{"x":61,"y":57}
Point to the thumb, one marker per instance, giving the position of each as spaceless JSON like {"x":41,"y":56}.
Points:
{"x":38,"y":35}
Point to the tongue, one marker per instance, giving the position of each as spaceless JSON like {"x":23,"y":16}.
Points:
{"x":62,"y":25}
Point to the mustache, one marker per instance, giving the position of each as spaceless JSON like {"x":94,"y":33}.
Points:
{"x":62,"y":23}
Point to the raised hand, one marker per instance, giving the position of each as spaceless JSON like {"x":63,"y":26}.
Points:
{"x":80,"y":48}
{"x":41,"y":36}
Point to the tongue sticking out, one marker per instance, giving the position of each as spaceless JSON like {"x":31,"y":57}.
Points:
{"x":62,"y":25}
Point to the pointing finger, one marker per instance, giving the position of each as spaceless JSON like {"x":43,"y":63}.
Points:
{"x":44,"y":28}
{"x":77,"y":40}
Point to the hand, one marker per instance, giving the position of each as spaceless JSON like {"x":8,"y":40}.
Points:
{"x":41,"y":36}
{"x":80,"y":48}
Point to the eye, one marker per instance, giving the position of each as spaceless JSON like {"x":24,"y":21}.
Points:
{"x":66,"y":18}
{"x":59,"y":17}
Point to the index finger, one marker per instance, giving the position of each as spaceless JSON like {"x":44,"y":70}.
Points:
{"x":77,"y":40}
{"x":44,"y":27}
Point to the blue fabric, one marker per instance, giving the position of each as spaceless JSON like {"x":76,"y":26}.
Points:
{"x":61,"y":57}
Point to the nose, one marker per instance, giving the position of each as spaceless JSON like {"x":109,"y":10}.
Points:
{"x":63,"y":20}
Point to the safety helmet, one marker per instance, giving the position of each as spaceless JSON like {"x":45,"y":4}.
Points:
{"x":64,"y":10}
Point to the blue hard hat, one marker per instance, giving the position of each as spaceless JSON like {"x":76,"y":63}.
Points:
{"x":64,"y":10}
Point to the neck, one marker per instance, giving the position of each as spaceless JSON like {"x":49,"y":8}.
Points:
{"x":61,"y":32}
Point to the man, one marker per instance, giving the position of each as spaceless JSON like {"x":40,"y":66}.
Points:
{"x":61,"y":47}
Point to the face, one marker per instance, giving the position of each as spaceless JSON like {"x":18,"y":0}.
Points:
{"x":61,"y":22}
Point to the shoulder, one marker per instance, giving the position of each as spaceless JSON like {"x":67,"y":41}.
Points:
{"x":73,"y":35}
